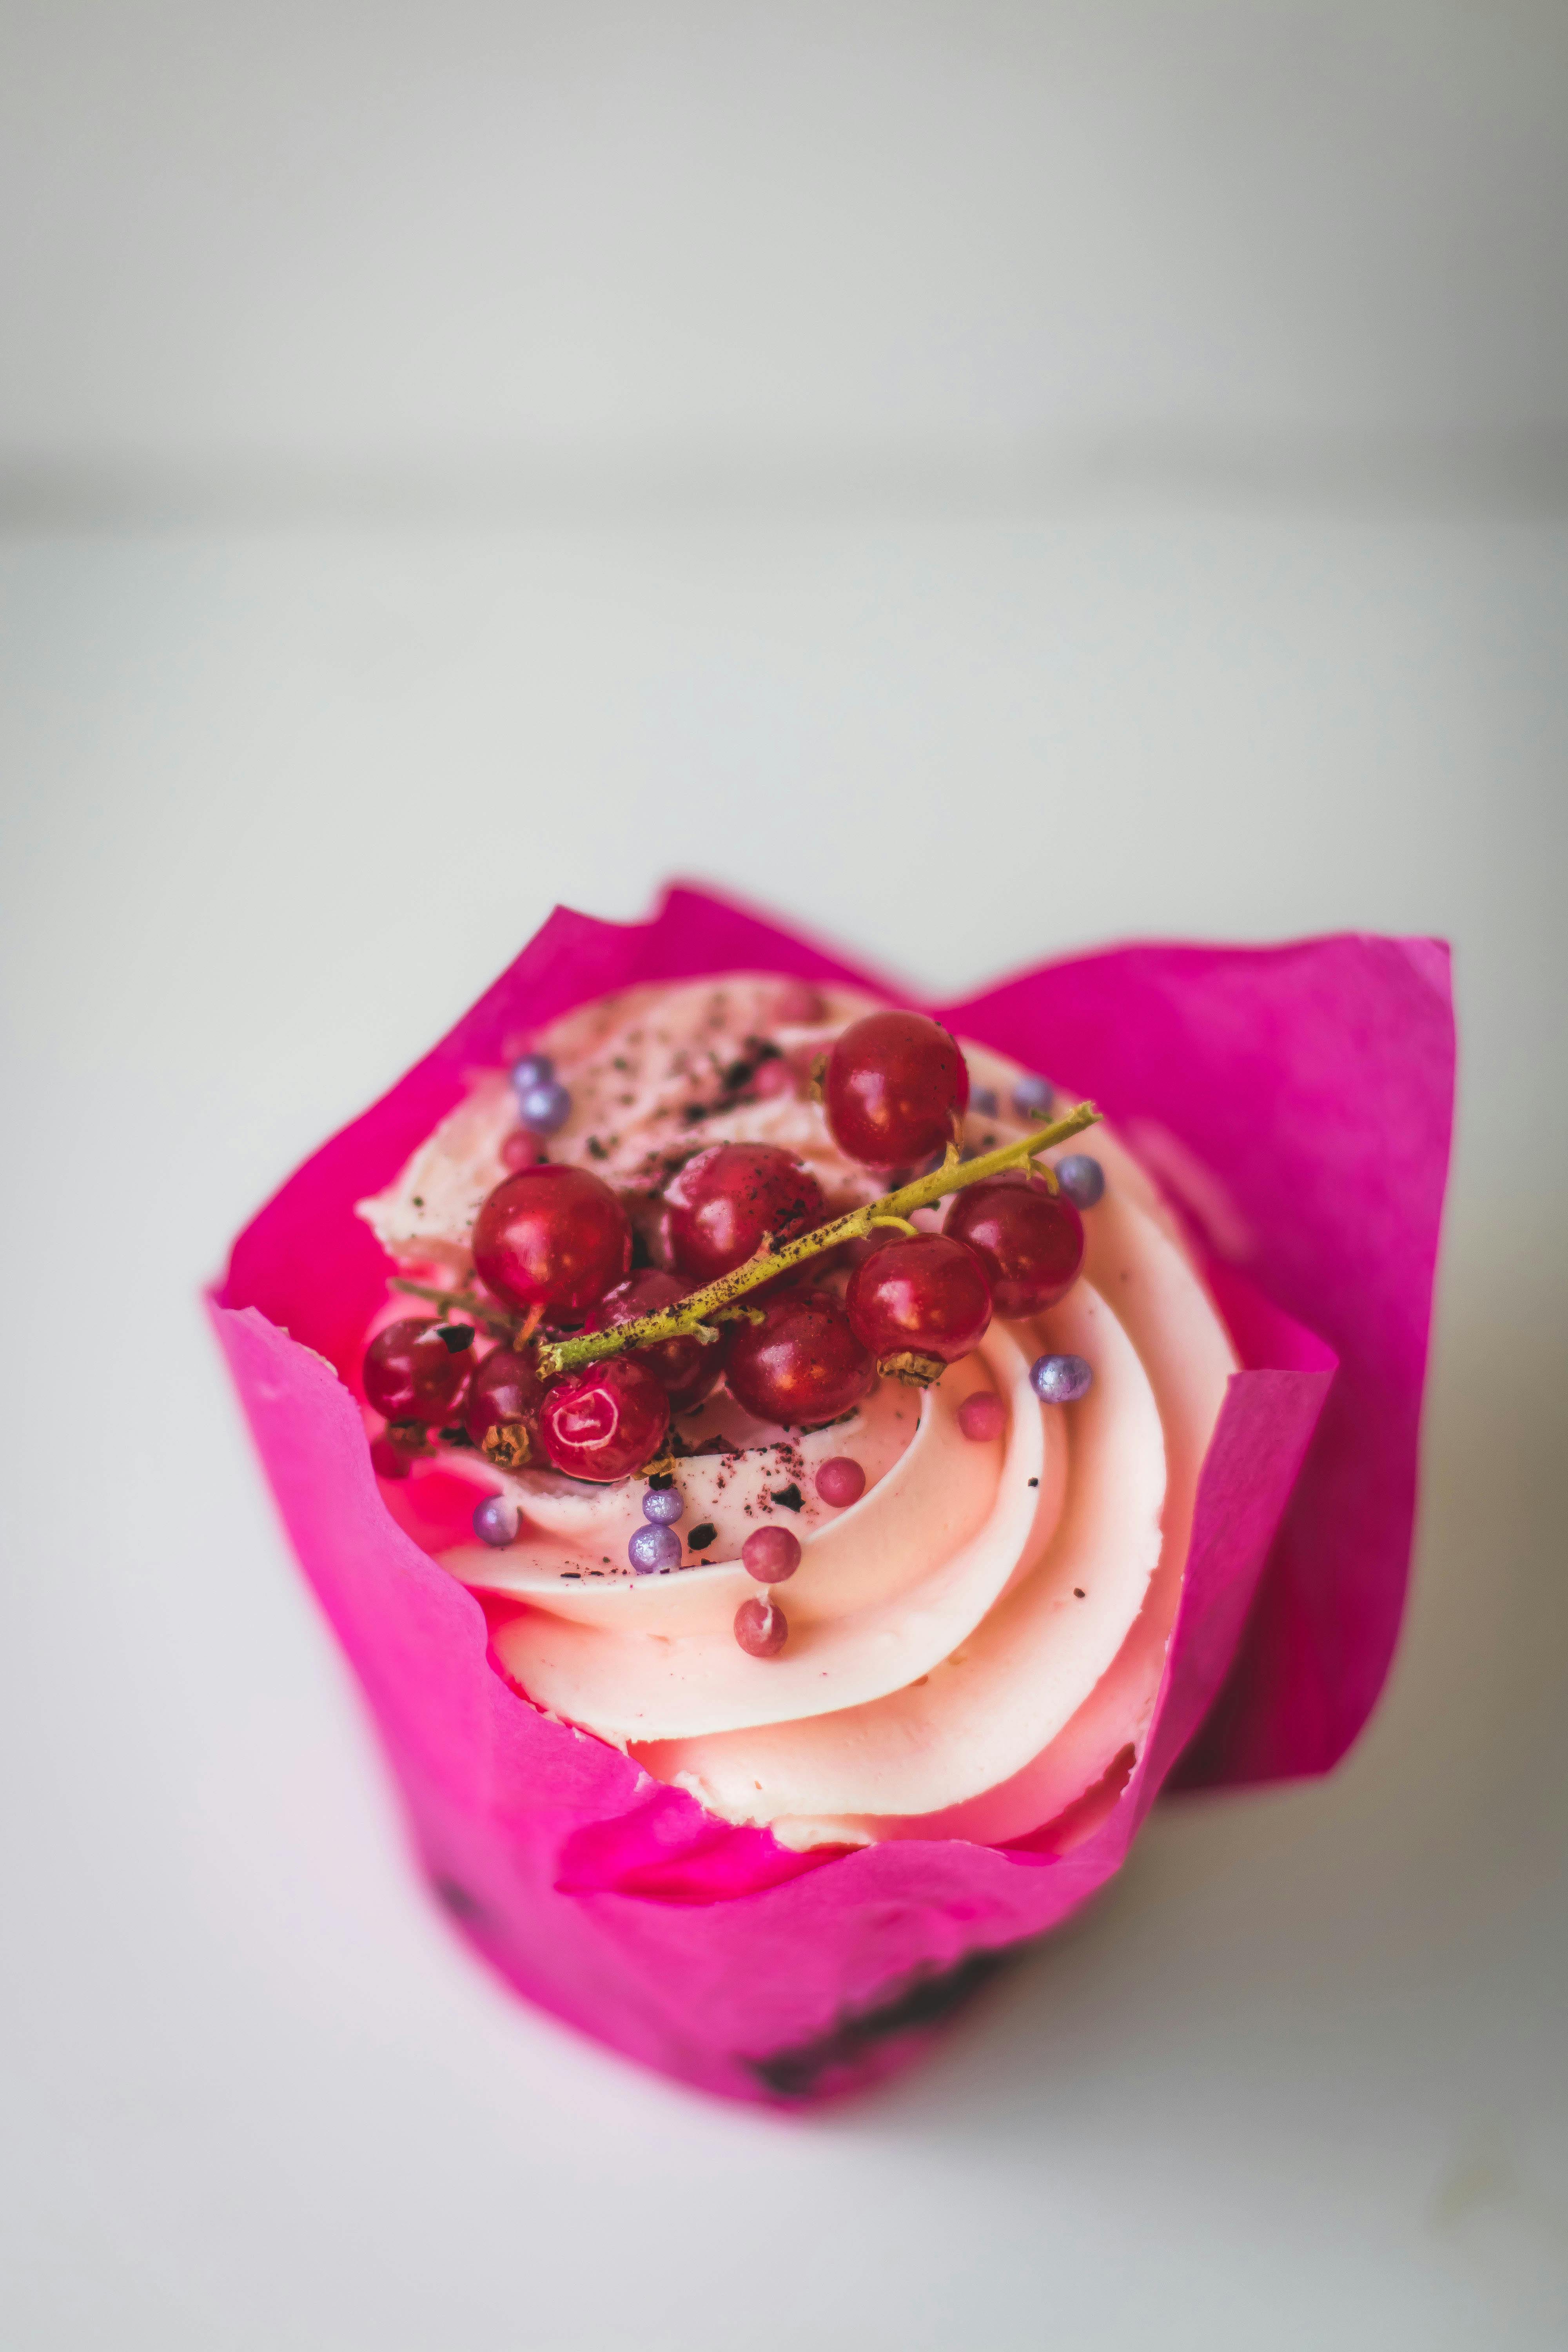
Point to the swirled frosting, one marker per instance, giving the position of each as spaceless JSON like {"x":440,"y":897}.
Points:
{"x":978,"y":1641}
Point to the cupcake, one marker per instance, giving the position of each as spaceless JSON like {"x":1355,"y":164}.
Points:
{"x":794,"y":1479}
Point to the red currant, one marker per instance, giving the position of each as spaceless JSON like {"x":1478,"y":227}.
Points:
{"x":894,"y":1087}
{"x":552,"y":1237}
{"x":927,"y":1293}
{"x":1029,"y":1241}
{"x":389,"y":1461}
{"x":606,"y":1421}
{"x":506,"y":1390}
{"x":724,"y":1204}
{"x":688,"y":1368}
{"x":802,"y":1364}
{"x":419,"y":1368}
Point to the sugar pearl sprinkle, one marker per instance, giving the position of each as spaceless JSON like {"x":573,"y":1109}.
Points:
{"x":663,"y":1505}
{"x":840,"y":1482}
{"x":982,"y":1416}
{"x":652,"y":1549}
{"x":1033,"y":1098}
{"x":533,"y":1070}
{"x":771,"y":1554}
{"x":544,"y":1108}
{"x":1060,"y":1379}
{"x":1082,"y":1178}
{"x":760,"y":1627}
{"x":496,"y":1521}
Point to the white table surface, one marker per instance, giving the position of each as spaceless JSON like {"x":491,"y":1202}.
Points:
{"x":275,"y":806}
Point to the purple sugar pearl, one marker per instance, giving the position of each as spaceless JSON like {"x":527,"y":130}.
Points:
{"x":663,"y":1505}
{"x":496,"y":1521}
{"x":544,"y":1108}
{"x":1033,"y":1098}
{"x":652,"y":1549}
{"x":533,"y":1070}
{"x":1060,"y":1379}
{"x":1081,"y":1179}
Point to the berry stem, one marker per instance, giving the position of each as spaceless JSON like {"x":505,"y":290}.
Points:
{"x":674,"y":1322}
{"x":483,"y":1310}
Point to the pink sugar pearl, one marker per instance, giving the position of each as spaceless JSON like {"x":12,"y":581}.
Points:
{"x":982,"y":1416}
{"x":770,"y":1554}
{"x":841,"y":1482}
{"x":799,"y":1003}
{"x":760,"y":1627}
{"x":774,"y":1078}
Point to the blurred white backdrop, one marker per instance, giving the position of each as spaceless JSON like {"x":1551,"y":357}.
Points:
{"x":980,"y":479}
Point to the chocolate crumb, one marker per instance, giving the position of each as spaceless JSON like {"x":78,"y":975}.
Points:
{"x":1033,"y":1482}
{"x":455,"y":1337}
{"x":790,"y":1496}
{"x":700,"y":1537}
{"x":1078,"y":1592}
{"x":597,"y":1149}
{"x":659,"y":1479}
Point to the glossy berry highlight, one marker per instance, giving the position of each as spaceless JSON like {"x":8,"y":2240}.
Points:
{"x":416,"y":1370}
{"x":1029,"y":1241}
{"x":722,"y":1206}
{"x":894,"y":1089}
{"x":552,"y":1237}
{"x":803,"y":1364}
{"x":927,"y":1295}
{"x":605,"y":1421}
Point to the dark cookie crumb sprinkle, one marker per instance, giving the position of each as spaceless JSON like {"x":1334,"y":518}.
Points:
{"x":790,"y":1496}
{"x":700,"y":1537}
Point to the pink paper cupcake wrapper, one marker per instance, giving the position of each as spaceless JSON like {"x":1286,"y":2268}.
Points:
{"x":1296,"y":1103}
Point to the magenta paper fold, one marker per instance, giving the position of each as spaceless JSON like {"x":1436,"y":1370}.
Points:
{"x":1296,"y":1102}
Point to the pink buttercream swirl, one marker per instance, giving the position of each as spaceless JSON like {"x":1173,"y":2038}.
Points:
{"x":976,"y":1641}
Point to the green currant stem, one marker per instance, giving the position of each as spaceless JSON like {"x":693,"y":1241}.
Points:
{"x":677,"y":1322}
{"x":483,"y":1310}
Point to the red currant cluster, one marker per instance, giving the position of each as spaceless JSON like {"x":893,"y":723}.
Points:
{"x":552,"y":1247}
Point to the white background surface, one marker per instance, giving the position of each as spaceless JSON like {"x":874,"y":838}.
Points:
{"x":983,"y":482}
